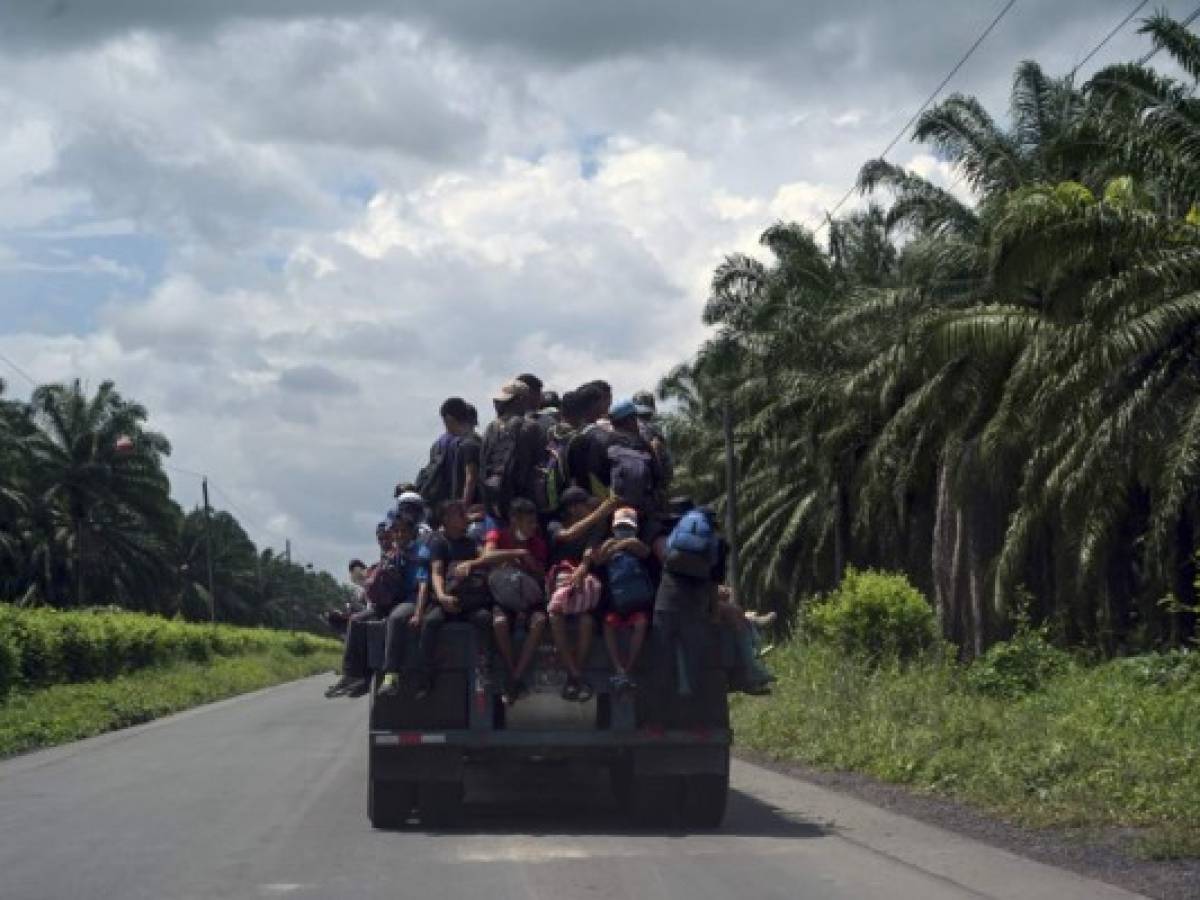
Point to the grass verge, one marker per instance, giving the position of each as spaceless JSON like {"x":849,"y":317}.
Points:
{"x":68,"y":712}
{"x":1115,"y":745}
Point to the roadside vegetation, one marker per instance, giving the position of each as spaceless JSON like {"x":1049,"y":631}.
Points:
{"x":1028,"y":731}
{"x":992,"y":386}
{"x":69,"y":675}
{"x":86,"y":519}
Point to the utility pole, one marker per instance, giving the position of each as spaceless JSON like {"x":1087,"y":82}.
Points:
{"x":731,"y":506}
{"x":212,"y":596}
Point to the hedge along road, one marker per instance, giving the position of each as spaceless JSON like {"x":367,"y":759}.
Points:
{"x":264,"y":796}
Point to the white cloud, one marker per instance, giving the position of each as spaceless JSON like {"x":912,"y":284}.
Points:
{"x":366,"y":212}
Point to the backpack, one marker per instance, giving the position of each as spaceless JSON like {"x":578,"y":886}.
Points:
{"x":498,"y":464}
{"x":565,"y":597}
{"x":433,"y":481}
{"x":629,"y":584}
{"x":550,"y":477}
{"x":514,"y":590}
{"x":384,"y":583}
{"x":631,"y":474}
{"x":693,"y":547}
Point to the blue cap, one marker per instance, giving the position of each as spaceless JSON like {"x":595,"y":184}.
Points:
{"x":622,"y":409}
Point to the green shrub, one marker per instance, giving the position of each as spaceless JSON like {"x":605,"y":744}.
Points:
{"x":1019,"y":666}
{"x":10,"y":665}
{"x":46,"y":646}
{"x":876,"y":615}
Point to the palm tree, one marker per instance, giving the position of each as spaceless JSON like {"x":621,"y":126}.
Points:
{"x":102,"y":503}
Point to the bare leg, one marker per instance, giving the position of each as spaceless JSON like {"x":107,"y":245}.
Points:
{"x":537,"y":627}
{"x":640,"y":627}
{"x":562,"y":641}
{"x":614,"y":648}
{"x":503,"y":634}
{"x":587,"y":628}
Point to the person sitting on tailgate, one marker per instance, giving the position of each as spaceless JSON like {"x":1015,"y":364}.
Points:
{"x":515,"y":557}
{"x":573,"y":590}
{"x":630,"y":595}
{"x":391,"y":589}
{"x":456,"y":593}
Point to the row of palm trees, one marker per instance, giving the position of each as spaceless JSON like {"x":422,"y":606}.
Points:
{"x":86,"y":519}
{"x":1001,"y":397}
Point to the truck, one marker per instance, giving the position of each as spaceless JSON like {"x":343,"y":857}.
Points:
{"x":666,"y":755}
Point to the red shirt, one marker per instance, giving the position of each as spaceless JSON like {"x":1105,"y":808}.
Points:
{"x":504,"y":539}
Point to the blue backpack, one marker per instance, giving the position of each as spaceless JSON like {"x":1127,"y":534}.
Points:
{"x":693,"y":548}
{"x":629,"y":584}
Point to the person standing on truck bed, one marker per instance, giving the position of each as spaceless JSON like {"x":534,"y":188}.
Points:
{"x":457,"y":592}
{"x":512,"y":447}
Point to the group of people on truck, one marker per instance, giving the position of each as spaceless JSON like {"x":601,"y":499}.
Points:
{"x":559,"y":512}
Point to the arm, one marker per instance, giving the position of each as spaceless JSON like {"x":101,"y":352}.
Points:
{"x":470,"y":482}
{"x":581,"y":528}
{"x":437,"y":576}
{"x":613,"y":546}
{"x":422,"y":602}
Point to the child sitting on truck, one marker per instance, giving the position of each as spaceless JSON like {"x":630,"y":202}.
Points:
{"x":573,"y":590}
{"x":516,"y":557}
{"x":630,"y":593}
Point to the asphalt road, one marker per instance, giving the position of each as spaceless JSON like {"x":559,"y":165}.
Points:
{"x":264,"y":796}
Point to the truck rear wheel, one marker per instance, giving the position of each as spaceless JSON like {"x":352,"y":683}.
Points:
{"x":440,"y":803}
{"x":389,"y":803}
{"x":653,"y":799}
{"x":704,"y":798}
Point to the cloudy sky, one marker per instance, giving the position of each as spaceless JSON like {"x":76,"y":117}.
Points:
{"x":291,"y":234}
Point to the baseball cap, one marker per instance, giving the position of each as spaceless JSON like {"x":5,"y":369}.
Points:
{"x":511,"y":391}
{"x":622,"y":409}
{"x":643,"y":402}
{"x":410,"y":498}
{"x":627,"y":516}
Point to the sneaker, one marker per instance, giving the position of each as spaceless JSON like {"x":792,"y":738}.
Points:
{"x":757,"y":689}
{"x":762,"y":620}
{"x":570,"y":690}
{"x":359,"y":687}
{"x":583,"y":691}
{"x":340,"y":686}
{"x":619,"y":683}
{"x":391,"y":685}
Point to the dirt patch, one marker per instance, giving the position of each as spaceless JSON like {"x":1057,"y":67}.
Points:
{"x":1102,"y":854}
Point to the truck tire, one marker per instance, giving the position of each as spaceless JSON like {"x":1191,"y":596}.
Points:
{"x":654,"y":799}
{"x":389,"y":803}
{"x":702,"y":804}
{"x":439,"y":803}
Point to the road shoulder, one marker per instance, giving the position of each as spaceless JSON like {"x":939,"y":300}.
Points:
{"x":1087,"y":855}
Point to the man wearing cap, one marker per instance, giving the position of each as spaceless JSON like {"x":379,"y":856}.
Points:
{"x":609,"y":452}
{"x":652,"y":434}
{"x":512,"y":446}
{"x":412,"y":505}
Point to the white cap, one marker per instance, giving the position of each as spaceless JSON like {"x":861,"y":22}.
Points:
{"x":410,"y":498}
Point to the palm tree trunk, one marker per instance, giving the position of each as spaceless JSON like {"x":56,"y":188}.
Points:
{"x":79,"y":557}
{"x":731,"y":505}
{"x":944,"y":539}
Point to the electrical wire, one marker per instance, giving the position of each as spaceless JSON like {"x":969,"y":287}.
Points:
{"x":928,"y":100}
{"x":1108,"y":37}
{"x":12,"y":365}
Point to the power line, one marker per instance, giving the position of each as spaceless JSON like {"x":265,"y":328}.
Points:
{"x":1188,"y":21}
{"x":933,"y":96}
{"x":12,"y":365}
{"x":1108,"y":37}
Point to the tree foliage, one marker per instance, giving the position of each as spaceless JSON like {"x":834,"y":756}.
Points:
{"x":86,"y":519}
{"x":995,"y":397}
